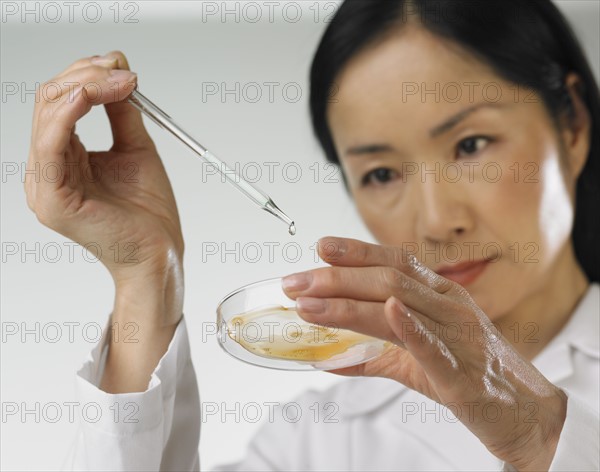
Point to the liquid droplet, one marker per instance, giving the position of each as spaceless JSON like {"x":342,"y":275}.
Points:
{"x":292,"y":229}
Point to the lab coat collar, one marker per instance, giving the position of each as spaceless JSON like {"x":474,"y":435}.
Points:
{"x":363,"y":395}
{"x":581,"y":333}
{"x":584,"y":332}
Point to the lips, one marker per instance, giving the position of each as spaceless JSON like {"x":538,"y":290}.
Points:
{"x":464,"y":273}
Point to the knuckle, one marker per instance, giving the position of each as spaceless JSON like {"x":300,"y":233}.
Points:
{"x":400,"y":258}
{"x":46,"y":112}
{"x":393,"y":278}
{"x":50,"y":91}
{"x":92,"y":74}
{"x":459,"y":290}
{"x":363,"y":251}
{"x":339,"y":311}
{"x":94,"y":70}
{"x":442,"y":284}
{"x":45,"y":93}
{"x":348,"y":308}
{"x":78,"y":64}
{"x":451,"y":288}
{"x":331,"y":276}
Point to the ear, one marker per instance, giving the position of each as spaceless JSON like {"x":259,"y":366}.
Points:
{"x":576,"y":128}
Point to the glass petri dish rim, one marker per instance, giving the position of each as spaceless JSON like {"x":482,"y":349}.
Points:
{"x":220,"y":321}
{"x":284,"y":366}
{"x":244,"y":288}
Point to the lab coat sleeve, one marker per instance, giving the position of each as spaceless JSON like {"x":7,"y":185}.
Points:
{"x":579,"y":443}
{"x":578,"y":446}
{"x":158,"y":429}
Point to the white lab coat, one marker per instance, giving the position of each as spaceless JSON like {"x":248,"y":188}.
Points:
{"x":381,"y":425}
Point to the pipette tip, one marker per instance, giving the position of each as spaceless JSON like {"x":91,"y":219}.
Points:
{"x":274,"y":210}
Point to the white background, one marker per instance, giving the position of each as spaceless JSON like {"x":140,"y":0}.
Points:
{"x":179,"y":52}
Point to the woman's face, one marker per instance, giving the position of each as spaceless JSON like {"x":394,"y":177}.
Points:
{"x":455,"y":165}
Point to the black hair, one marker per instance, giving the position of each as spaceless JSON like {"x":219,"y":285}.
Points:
{"x":528,"y":43}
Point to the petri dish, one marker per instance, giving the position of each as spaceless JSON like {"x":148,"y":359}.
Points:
{"x":258,"y":324}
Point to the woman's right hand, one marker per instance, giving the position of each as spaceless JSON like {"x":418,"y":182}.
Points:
{"x":117,"y":203}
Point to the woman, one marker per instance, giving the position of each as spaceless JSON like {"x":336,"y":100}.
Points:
{"x":468,"y":134}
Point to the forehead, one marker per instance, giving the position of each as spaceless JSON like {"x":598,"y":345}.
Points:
{"x":408,"y":77}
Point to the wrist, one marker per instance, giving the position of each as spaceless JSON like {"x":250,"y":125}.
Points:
{"x":152,"y":297}
{"x":134,"y":353}
{"x":541,"y":448}
{"x":148,"y":306}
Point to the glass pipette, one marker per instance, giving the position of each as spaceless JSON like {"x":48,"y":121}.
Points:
{"x":166,"y":122}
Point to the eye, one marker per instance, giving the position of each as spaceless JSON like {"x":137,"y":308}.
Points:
{"x":379,"y":176}
{"x":472,"y":145}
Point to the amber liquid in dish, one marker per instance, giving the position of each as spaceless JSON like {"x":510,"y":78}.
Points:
{"x":278,"y":332}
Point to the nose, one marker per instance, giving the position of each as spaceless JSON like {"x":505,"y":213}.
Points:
{"x":442,"y":212}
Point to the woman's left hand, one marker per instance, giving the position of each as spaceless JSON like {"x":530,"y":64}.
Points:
{"x":445,"y":346}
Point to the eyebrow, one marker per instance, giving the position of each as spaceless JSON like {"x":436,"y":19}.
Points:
{"x":455,"y":119}
{"x":369,"y":149}
{"x":436,"y":131}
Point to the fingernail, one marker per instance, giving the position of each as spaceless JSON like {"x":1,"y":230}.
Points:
{"x":332,"y":249}
{"x":403,"y":310}
{"x":296,"y":282}
{"x":314,"y":306}
{"x":120,"y":75}
{"x":103,"y":60}
{"x":399,"y":307}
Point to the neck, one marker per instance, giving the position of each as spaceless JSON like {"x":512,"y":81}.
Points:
{"x":541,"y":316}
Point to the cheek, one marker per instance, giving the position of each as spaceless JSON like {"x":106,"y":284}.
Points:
{"x":387,"y":219}
{"x":506,"y":198}
{"x":537,"y":206}
{"x":517,"y":198}
{"x":383,"y":213}
{"x":528,"y":211}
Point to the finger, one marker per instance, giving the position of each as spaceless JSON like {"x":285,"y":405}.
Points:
{"x":52,"y":89}
{"x":51,"y":92}
{"x":440,"y":365}
{"x":49,"y":96}
{"x":374,"y":284}
{"x":358,"y":316}
{"x":127,"y":126}
{"x":345,"y":252}
{"x":108,"y":60}
{"x":344,"y":313}
{"x":128,"y":130}
{"x":382,"y":365}
{"x":75,"y":95}
{"x":98,"y":85}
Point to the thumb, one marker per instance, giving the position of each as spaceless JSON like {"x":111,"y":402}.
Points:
{"x":126,"y":122}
